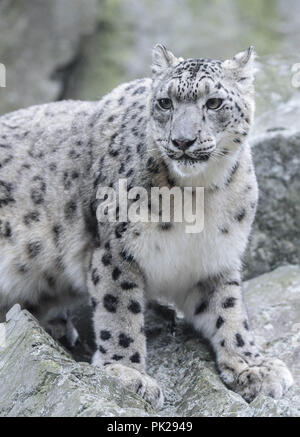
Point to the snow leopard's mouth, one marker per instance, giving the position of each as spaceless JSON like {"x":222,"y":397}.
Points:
{"x":186,"y":159}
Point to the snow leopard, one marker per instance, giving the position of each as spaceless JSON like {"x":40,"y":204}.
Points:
{"x":186,"y":127}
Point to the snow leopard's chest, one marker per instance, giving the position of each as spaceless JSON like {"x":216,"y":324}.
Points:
{"x":173,"y":261}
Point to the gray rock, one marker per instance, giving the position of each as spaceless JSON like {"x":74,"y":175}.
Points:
{"x":40,"y":41}
{"x":276,"y":150}
{"x":39,"y":378}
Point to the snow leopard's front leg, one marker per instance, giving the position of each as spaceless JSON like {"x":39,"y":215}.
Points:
{"x":116,"y":286}
{"x":217,"y":310}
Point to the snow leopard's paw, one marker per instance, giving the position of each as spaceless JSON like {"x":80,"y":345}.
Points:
{"x":138,"y":382}
{"x":271,"y":378}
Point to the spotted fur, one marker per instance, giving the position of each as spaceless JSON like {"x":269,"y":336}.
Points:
{"x":54,"y":158}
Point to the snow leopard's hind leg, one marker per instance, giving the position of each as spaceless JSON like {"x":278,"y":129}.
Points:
{"x":61,"y":326}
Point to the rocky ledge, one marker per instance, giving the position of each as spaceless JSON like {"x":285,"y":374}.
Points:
{"x":40,"y":378}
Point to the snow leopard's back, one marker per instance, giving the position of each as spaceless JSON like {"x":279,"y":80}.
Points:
{"x":44,"y":157}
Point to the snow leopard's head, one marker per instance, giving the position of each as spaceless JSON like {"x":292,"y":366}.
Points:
{"x":201,"y":109}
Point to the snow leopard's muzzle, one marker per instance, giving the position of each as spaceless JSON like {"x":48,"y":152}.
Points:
{"x":189,"y":141}
{"x":190,"y":150}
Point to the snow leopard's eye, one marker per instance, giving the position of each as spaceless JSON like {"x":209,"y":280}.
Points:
{"x":165,"y":103}
{"x":214,"y":103}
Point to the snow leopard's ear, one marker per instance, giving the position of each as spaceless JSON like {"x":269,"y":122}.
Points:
{"x":162,"y":59}
{"x":241,"y":68}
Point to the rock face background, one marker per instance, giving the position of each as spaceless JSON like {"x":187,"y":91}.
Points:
{"x":74,"y":49}
{"x":276,"y":152}
{"x":40,"y":43}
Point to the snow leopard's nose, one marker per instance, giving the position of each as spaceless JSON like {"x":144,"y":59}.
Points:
{"x":183,"y":143}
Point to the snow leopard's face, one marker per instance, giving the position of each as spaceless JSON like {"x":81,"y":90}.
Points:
{"x":201,"y":109}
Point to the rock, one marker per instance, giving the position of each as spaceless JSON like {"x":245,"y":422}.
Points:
{"x":276,"y":150}
{"x":44,"y":44}
{"x":39,"y":378}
